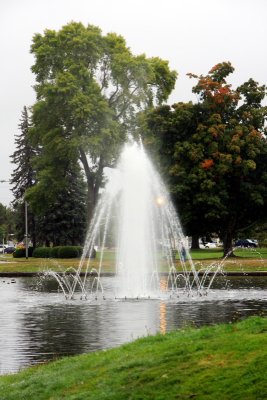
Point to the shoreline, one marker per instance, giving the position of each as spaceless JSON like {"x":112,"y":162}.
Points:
{"x":111,"y":274}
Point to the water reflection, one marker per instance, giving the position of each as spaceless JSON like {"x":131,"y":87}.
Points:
{"x":38,"y":324}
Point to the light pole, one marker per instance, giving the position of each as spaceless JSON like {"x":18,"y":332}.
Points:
{"x":3,"y":181}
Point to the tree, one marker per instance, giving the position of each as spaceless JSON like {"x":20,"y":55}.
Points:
{"x":23,"y":176}
{"x":65,"y":220}
{"x":89,"y":88}
{"x":217,"y":154}
{"x":7,"y":223}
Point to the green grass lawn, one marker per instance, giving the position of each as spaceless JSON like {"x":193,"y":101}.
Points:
{"x":245,"y":260}
{"x":227,"y":362}
{"x":218,"y":253}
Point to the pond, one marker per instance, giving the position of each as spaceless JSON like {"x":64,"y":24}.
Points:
{"x":38,"y":324}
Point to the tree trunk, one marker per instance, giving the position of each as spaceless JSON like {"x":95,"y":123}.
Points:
{"x":228,"y":238}
{"x":195,"y":242}
{"x":94,"y":180}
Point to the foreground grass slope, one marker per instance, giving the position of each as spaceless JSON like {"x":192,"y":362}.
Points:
{"x":223,"y":361}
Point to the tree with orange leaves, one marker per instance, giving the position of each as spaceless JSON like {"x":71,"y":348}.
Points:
{"x":213,"y":154}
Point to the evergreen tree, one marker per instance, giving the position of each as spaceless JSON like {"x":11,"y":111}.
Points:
{"x":64,"y":222}
{"x":23,"y":177}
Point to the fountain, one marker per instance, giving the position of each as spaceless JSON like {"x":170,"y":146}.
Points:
{"x":137,"y":206}
{"x":150,"y":291}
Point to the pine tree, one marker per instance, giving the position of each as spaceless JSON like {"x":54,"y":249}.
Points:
{"x":23,"y":176}
{"x":64,"y":221}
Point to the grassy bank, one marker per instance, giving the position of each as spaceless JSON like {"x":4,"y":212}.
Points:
{"x":245,"y":260}
{"x":223,"y":361}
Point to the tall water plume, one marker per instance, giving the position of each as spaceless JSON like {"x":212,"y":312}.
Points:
{"x":148,"y":231}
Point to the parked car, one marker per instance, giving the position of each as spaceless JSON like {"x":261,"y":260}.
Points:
{"x":246,"y":243}
{"x":2,"y":248}
{"x":9,"y":250}
{"x":207,"y":245}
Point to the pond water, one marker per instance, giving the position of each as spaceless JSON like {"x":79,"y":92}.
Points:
{"x":38,"y":324}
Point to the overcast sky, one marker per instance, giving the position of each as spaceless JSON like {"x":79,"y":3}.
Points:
{"x":193,"y":35}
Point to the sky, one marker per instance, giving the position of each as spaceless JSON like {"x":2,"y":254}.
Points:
{"x":193,"y":35}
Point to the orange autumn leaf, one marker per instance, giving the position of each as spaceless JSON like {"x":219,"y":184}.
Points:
{"x":207,"y":164}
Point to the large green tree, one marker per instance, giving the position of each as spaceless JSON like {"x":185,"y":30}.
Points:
{"x":215,"y":154}
{"x":89,"y":88}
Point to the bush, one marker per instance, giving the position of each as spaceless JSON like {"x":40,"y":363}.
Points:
{"x":69,"y":252}
{"x":58,"y":252}
{"x":42,"y":252}
{"x":21,"y":252}
{"x":54,"y":251}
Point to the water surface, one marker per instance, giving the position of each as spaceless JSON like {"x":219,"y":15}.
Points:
{"x":38,"y":324}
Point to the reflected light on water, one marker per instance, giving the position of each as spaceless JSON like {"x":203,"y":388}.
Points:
{"x":162,"y":318}
{"x":163,"y":285}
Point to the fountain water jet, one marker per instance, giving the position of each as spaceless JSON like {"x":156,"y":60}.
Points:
{"x":148,"y":232}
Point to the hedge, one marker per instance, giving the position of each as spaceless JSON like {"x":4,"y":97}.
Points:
{"x":54,"y":251}
{"x":68,"y":252}
{"x":58,"y":252}
{"x":42,"y":252}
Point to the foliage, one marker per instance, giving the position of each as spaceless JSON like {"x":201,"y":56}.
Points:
{"x":42,"y":252}
{"x":58,"y":252}
{"x":227,"y":360}
{"x":21,"y":252}
{"x":23,"y":177}
{"x":53,"y":252}
{"x":69,"y":252}
{"x":214,"y":154}
{"x":89,"y":88}
{"x":7,"y":223}
{"x":64,"y":221}
{"x":256,"y":231}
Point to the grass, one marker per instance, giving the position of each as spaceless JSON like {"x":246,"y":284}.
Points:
{"x":245,"y":261}
{"x":217,"y":253}
{"x":222,"y":361}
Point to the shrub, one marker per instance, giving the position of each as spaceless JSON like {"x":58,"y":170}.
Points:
{"x":54,"y":251}
{"x":21,"y":252}
{"x":69,"y":252}
{"x":42,"y":252}
{"x":58,"y":252}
